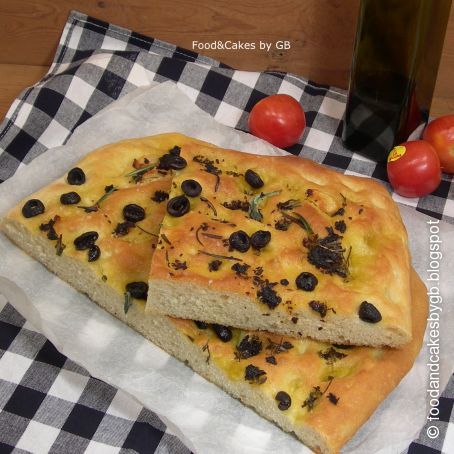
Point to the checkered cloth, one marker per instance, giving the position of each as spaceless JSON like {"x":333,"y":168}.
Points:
{"x":50,"y":404}
{"x":46,"y":401}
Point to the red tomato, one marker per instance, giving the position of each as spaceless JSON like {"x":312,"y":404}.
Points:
{"x":440,"y":134}
{"x":278,"y":119}
{"x":414,"y":169}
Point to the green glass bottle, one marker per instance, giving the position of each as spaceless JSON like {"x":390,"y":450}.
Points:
{"x":395,"y":63}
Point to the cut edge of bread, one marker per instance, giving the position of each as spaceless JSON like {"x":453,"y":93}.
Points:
{"x":191,"y":301}
{"x":158,"y":329}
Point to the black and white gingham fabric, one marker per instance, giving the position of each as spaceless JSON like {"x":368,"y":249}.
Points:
{"x":48,"y":403}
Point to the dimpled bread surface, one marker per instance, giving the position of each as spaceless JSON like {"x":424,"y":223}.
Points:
{"x":344,"y":232}
{"x":319,"y":391}
{"x":116,"y":175}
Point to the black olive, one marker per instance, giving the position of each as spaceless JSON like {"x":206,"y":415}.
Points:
{"x":86,"y":240}
{"x":240,"y":268}
{"x":76,"y":176}
{"x":242,"y":205}
{"x":285,"y":401}
{"x":133,"y":213}
{"x":253,"y":179}
{"x":138,"y":290}
{"x":254,"y":374}
{"x":327,"y":253}
{"x":319,"y":307}
{"x":369,"y":313}
{"x":268,"y":296}
{"x":94,"y":253}
{"x":248,"y":347}
{"x":339,"y":212}
{"x":306,"y":281}
{"x":239,"y":241}
{"x":178,"y":206}
{"x":171,"y":161}
{"x":50,"y":229}
{"x":160,"y":196}
{"x":214,"y":265}
{"x":178,"y":163}
{"x":271,"y":360}
{"x":223,"y":332}
{"x":340,"y":226}
{"x":284,"y":282}
{"x":52,"y":234}
{"x":176,"y":150}
{"x":32,"y":208}
{"x":287,"y":345}
{"x":191,"y":188}
{"x":70,"y":198}
{"x":201,"y":325}
{"x":260,"y":239}
{"x":123,"y":228}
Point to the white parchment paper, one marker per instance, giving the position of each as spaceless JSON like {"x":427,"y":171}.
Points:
{"x":206,"y":418}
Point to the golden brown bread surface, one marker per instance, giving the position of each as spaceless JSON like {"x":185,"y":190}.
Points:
{"x":362,"y":376}
{"x":336,"y":252}
{"x":323,"y":410}
{"x":125,"y":247}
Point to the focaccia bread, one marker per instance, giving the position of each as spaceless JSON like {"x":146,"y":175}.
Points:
{"x":96,"y":226}
{"x":320,"y":392}
{"x":285,"y":245}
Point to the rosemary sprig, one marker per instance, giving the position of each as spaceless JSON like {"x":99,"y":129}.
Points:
{"x":213,"y":235}
{"x":90,"y":209}
{"x":347,"y":260}
{"x":328,"y":254}
{"x":139,"y":173}
{"x":331,"y":355}
{"x":254,"y":208}
{"x":312,"y":398}
{"x":127,"y":303}
{"x":209,"y":168}
{"x":203,"y":226}
{"x":146,"y":231}
{"x":281,"y":347}
{"x":299,"y":220}
{"x":217,"y":256}
{"x":110,"y":190}
{"x":166,"y":240}
{"x":204,"y":199}
{"x":223,"y":221}
{"x":59,"y":246}
{"x":206,"y":348}
{"x":315,"y":395}
{"x":289,"y":204}
{"x":344,"y":200}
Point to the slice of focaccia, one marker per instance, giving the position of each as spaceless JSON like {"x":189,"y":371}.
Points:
{"x":321,"y":392}
{"x":96,"y":226}
{"x":284,"y":245}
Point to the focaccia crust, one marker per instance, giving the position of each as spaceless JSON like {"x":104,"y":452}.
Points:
{"x":315,"y":217}
{"x":333,"y":388}
{"x":125,"y":251}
